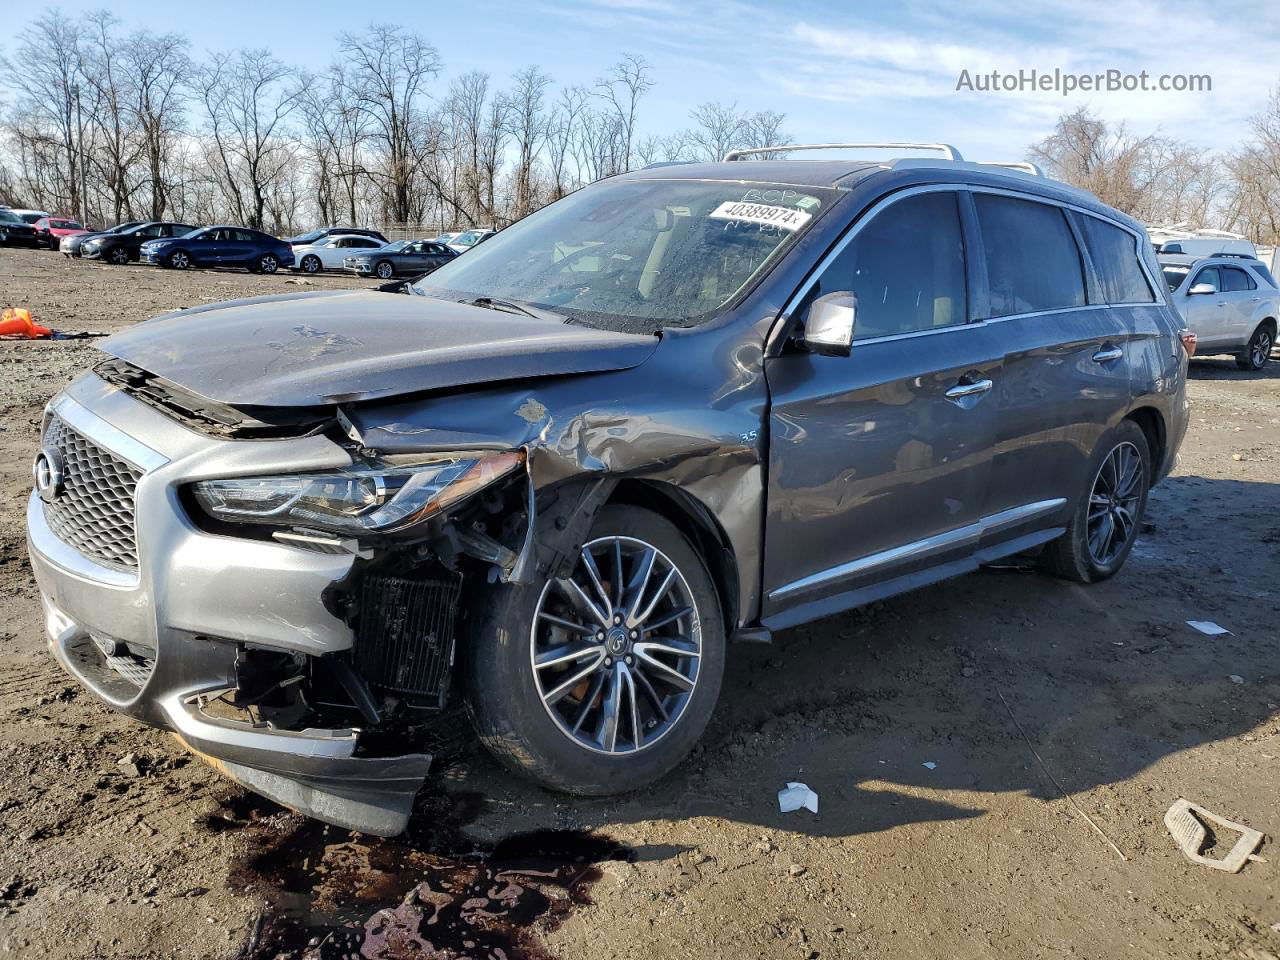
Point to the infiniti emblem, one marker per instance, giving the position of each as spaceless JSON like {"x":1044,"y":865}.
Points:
{"x":47,"y":471}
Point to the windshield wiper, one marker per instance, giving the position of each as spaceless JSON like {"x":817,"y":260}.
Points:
{"x":510,"y":306}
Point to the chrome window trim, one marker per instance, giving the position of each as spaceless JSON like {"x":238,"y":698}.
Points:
{"x":960,"y":536}
{"x":111,"y":438}
{"x":794,"y":301}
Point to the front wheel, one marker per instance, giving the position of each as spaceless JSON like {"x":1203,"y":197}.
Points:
{"x":385,"y":270}
{"x":119,"y":256}
{"x":1258,"y":352}
{"x":1105,"y":521}
{"x":310,"y":264}
{"x":601,"y":681}
{"x":179,"y":260}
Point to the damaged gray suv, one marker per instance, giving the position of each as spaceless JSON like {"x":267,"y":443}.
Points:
{"x":552,"y":480}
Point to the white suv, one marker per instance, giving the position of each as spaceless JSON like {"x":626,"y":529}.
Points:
{"x":1230,"y":302}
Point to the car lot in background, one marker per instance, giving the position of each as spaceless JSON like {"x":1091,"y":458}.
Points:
{"x":221,"y":246}
{"x":120,"y":248}
{"x":404,"y":258}
{"x":30,"y":216}
{"x":312,"y":237}
{"x":52,"y":230}
{"x":330,"y":252}
{"x":73,"y":245}
{"x":14,"y":231}
{"x":462,"y":242}
{"x":1229,"y":302}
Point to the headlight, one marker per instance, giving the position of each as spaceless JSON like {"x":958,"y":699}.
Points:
{"x":379,"y":498}
{"x":364,"y":259}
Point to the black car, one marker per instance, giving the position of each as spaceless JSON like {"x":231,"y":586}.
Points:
{"x":70,"y":246}
{"x":120,"y":248}
{"x":315,"y":236}
{"x":404,"y":258}
{"x":14,"y":231}
{"x":221,"y":246}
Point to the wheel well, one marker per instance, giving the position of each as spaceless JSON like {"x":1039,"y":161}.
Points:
{"x":699,"y":525}
{"x":1152,"y":425}
{"x":1269,"y":322}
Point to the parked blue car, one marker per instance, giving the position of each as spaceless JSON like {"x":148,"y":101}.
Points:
{"x":222,"y":246}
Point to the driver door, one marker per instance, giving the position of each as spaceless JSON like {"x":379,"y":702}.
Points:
{"x":879,"y":462}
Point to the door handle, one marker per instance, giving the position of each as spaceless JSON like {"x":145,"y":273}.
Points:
{"x":1222,"y":303}
{"x":1108,"y":353}
{"x":972,"y":389}
{"x":1254,"y":299}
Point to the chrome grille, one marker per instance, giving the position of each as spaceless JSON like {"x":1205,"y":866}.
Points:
{"x":94,"y":514}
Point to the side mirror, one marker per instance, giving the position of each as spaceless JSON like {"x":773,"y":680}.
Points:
{"x":828,"y":329}
{"x":1201,"y":290}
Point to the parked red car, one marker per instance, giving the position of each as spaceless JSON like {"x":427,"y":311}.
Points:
{"x":51,"y":230}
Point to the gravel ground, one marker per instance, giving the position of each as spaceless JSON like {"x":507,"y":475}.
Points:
{"x":943,"y":831}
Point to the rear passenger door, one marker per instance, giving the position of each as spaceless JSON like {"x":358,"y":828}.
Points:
{"x":1241,"y":293}
{"x":879,"y":461}
{"x":1066,"y":375}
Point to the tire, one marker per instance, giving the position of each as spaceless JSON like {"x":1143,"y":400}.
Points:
{"x":267,"y":263}
{"x":384,"y":270}
{"x":1257,"y":354}
{"x":310,"y":264}
{"x":180,"y":260}
{"x":535,"y":739}
{"x":119,"y":256}
{"x":1076,"y":555}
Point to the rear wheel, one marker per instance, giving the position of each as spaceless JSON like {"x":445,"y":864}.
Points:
{"x":310,"y":264}
{"x":601,"y":681}
{"x":384,"y":270}
{"x":267,"y":263}
{"x":1105,"y":521}
{"x":1257,"y":354}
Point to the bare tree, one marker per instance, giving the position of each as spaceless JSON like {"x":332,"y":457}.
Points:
{"x":1253,"y":192}
{"x":622,"y":89}
{"x":102,"y":70}
{"x":389,"y":69}
{"x":157,"y":66}
{"x":717,"y":129}
{"x":528,"y":125}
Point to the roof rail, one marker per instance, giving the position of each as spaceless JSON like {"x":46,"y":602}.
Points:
{"x":945,"y":148}
{"x":1025,"y":166}
{"x":1237,"y":256}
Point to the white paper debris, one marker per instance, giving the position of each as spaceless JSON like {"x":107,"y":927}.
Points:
{"x":1236,"y":678}
{"x":929,"y":765}
{"x":1208,"y":628}
{"x":795,"y":796}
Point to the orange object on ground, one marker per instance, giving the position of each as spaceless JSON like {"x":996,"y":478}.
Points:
{"x":17,"y":322}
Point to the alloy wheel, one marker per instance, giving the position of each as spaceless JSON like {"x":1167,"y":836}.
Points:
{"x":1113,"y":504}
{"x":179,"y":261}
{"x":119,"y":257}
{"x":310,"y":264}
{"x":268,"y":263}
{"x":1260,"y":353}
{"x":385,"y":270}
{"x":615,"y":646}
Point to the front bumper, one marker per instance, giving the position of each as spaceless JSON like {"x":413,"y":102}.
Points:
{"x":194,"y":600}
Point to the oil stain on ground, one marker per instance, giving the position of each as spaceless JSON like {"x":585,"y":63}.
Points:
{"x":334,"y":895}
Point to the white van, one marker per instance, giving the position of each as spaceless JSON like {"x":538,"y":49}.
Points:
{"x":1209,"y":247}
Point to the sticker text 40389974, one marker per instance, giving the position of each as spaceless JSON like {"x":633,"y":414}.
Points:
{"x":785,"y":218}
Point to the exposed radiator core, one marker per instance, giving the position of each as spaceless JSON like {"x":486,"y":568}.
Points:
{"x":404,"y":635}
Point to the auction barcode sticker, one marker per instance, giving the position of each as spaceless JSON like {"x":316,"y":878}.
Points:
{"x":784,"y":217}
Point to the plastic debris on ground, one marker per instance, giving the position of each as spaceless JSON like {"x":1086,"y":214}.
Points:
{"x":16,"y":324}
{"x":797,"y":796}
{"x":1208,"y":628}
{"x":929,"y":765}
{"x":1187,"y":822}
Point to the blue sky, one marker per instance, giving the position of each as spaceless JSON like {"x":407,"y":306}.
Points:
{"x":839,"y":70}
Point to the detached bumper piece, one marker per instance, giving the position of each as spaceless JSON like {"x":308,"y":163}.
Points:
{"x":404,"y":636}
{"x":312,"y":771}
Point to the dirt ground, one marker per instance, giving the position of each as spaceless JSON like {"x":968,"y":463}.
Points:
{"x":939,"y":834}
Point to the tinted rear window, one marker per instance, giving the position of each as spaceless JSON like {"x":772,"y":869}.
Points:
{"x":1032,"y":259}
{"x":1114,"y":253}
{"x":1234,"y":280}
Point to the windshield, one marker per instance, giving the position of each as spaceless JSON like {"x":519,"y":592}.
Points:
{"x":7,"y":216}
{"x":466,"y":239}
{"x":310,"y":237}
{"x":1174,"y":276}
{"x":395,"y":247}
{"x":636,"y":256}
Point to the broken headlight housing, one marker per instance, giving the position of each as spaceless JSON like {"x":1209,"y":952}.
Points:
{"x":378,"y":497}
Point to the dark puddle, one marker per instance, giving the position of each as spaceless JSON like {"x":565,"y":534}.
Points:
{"x":334,"y":895}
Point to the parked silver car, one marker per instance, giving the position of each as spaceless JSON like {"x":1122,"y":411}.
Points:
{"x":1229,"y":302}
{"x":331,"y":252}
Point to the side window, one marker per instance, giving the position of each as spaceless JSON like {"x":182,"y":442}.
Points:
{"x":1210,"y":276}
{"x":1114,"y":253}
{"x":246,"y":236}
{"x":1265,"y":274}
{"x":368,"y":243}
{"x":1234,"y":280}
{"x":156,"y":230}
{"x":1033,"y":262}
{"x":906,"y":267}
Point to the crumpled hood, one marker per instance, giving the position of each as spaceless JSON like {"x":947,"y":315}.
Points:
{"x":309,"y":349}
